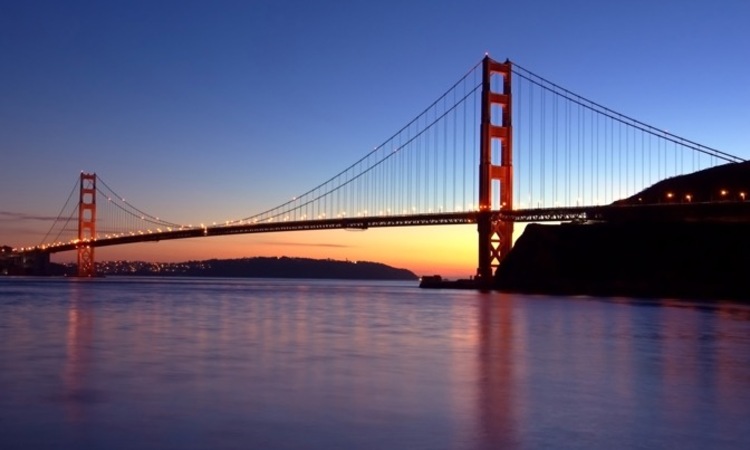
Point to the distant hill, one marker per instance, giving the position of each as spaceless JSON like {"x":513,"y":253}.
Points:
{"x":261,"y":267}
{"x":726,"y":182}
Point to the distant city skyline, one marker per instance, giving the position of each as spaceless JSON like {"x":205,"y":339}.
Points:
{"x":205,"y":112}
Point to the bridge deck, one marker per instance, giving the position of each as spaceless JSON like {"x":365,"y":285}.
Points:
{"x":723,"y":211}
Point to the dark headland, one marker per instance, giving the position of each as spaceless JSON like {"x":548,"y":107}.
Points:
{"x":261,"y":267}
{"x":256,"y":267}
{"x":698,"y":259}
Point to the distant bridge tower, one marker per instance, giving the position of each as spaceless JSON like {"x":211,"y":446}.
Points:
{"x":495,"y":236}
{"x":86,"y":224}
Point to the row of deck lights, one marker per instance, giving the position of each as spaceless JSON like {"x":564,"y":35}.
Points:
{"x":321,"y":216}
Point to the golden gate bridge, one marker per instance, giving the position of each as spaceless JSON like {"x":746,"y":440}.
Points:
{"x":501,"y":145}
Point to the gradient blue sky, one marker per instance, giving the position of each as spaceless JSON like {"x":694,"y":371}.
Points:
{"x":202,"y":111}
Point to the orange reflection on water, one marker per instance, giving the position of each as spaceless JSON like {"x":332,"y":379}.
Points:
{"x":498,"y":369}
{"x":79,"y":339}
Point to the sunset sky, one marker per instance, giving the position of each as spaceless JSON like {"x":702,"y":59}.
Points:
{"x":203,"y":111}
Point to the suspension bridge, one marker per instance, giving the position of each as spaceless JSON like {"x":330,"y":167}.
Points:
{"x":501,"y":145}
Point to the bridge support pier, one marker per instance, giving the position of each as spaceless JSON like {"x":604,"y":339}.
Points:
{"x":86,"y":224}
{"x":495,"y":236}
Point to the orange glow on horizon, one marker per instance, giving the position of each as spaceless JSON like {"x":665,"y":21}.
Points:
{"x":450,"y":251}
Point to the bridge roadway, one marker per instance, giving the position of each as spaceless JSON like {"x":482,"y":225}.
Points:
{"x":712,"y":211}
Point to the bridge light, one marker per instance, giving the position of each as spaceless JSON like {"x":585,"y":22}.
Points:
{"x":689,"y":198}
{"x":723,"y":192}
{"x":742,"y":196}
{"x":669,"y":195}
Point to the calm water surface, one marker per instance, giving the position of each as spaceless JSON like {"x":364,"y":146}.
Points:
{"x":220,"y":364}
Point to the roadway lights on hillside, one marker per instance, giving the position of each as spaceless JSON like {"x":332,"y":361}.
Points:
{"x":742,"y":196}
{"x":689,"y":198}
{"x":670,"y":195}
{"x":724,"y":192}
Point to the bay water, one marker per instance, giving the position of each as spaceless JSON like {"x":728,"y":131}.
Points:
{"x":177,"y":363}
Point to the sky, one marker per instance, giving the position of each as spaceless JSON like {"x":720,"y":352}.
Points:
{"x":202,"y":111}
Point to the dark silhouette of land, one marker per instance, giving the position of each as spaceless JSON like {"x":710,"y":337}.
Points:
{"x":707,"y":259}
{"x":728,"y":182}
{"x":683,"y":260}
{"x":258,"y":267}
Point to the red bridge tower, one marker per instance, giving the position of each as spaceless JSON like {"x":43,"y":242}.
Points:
{"x":86,"y":224}
{"x":495,"y":236}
